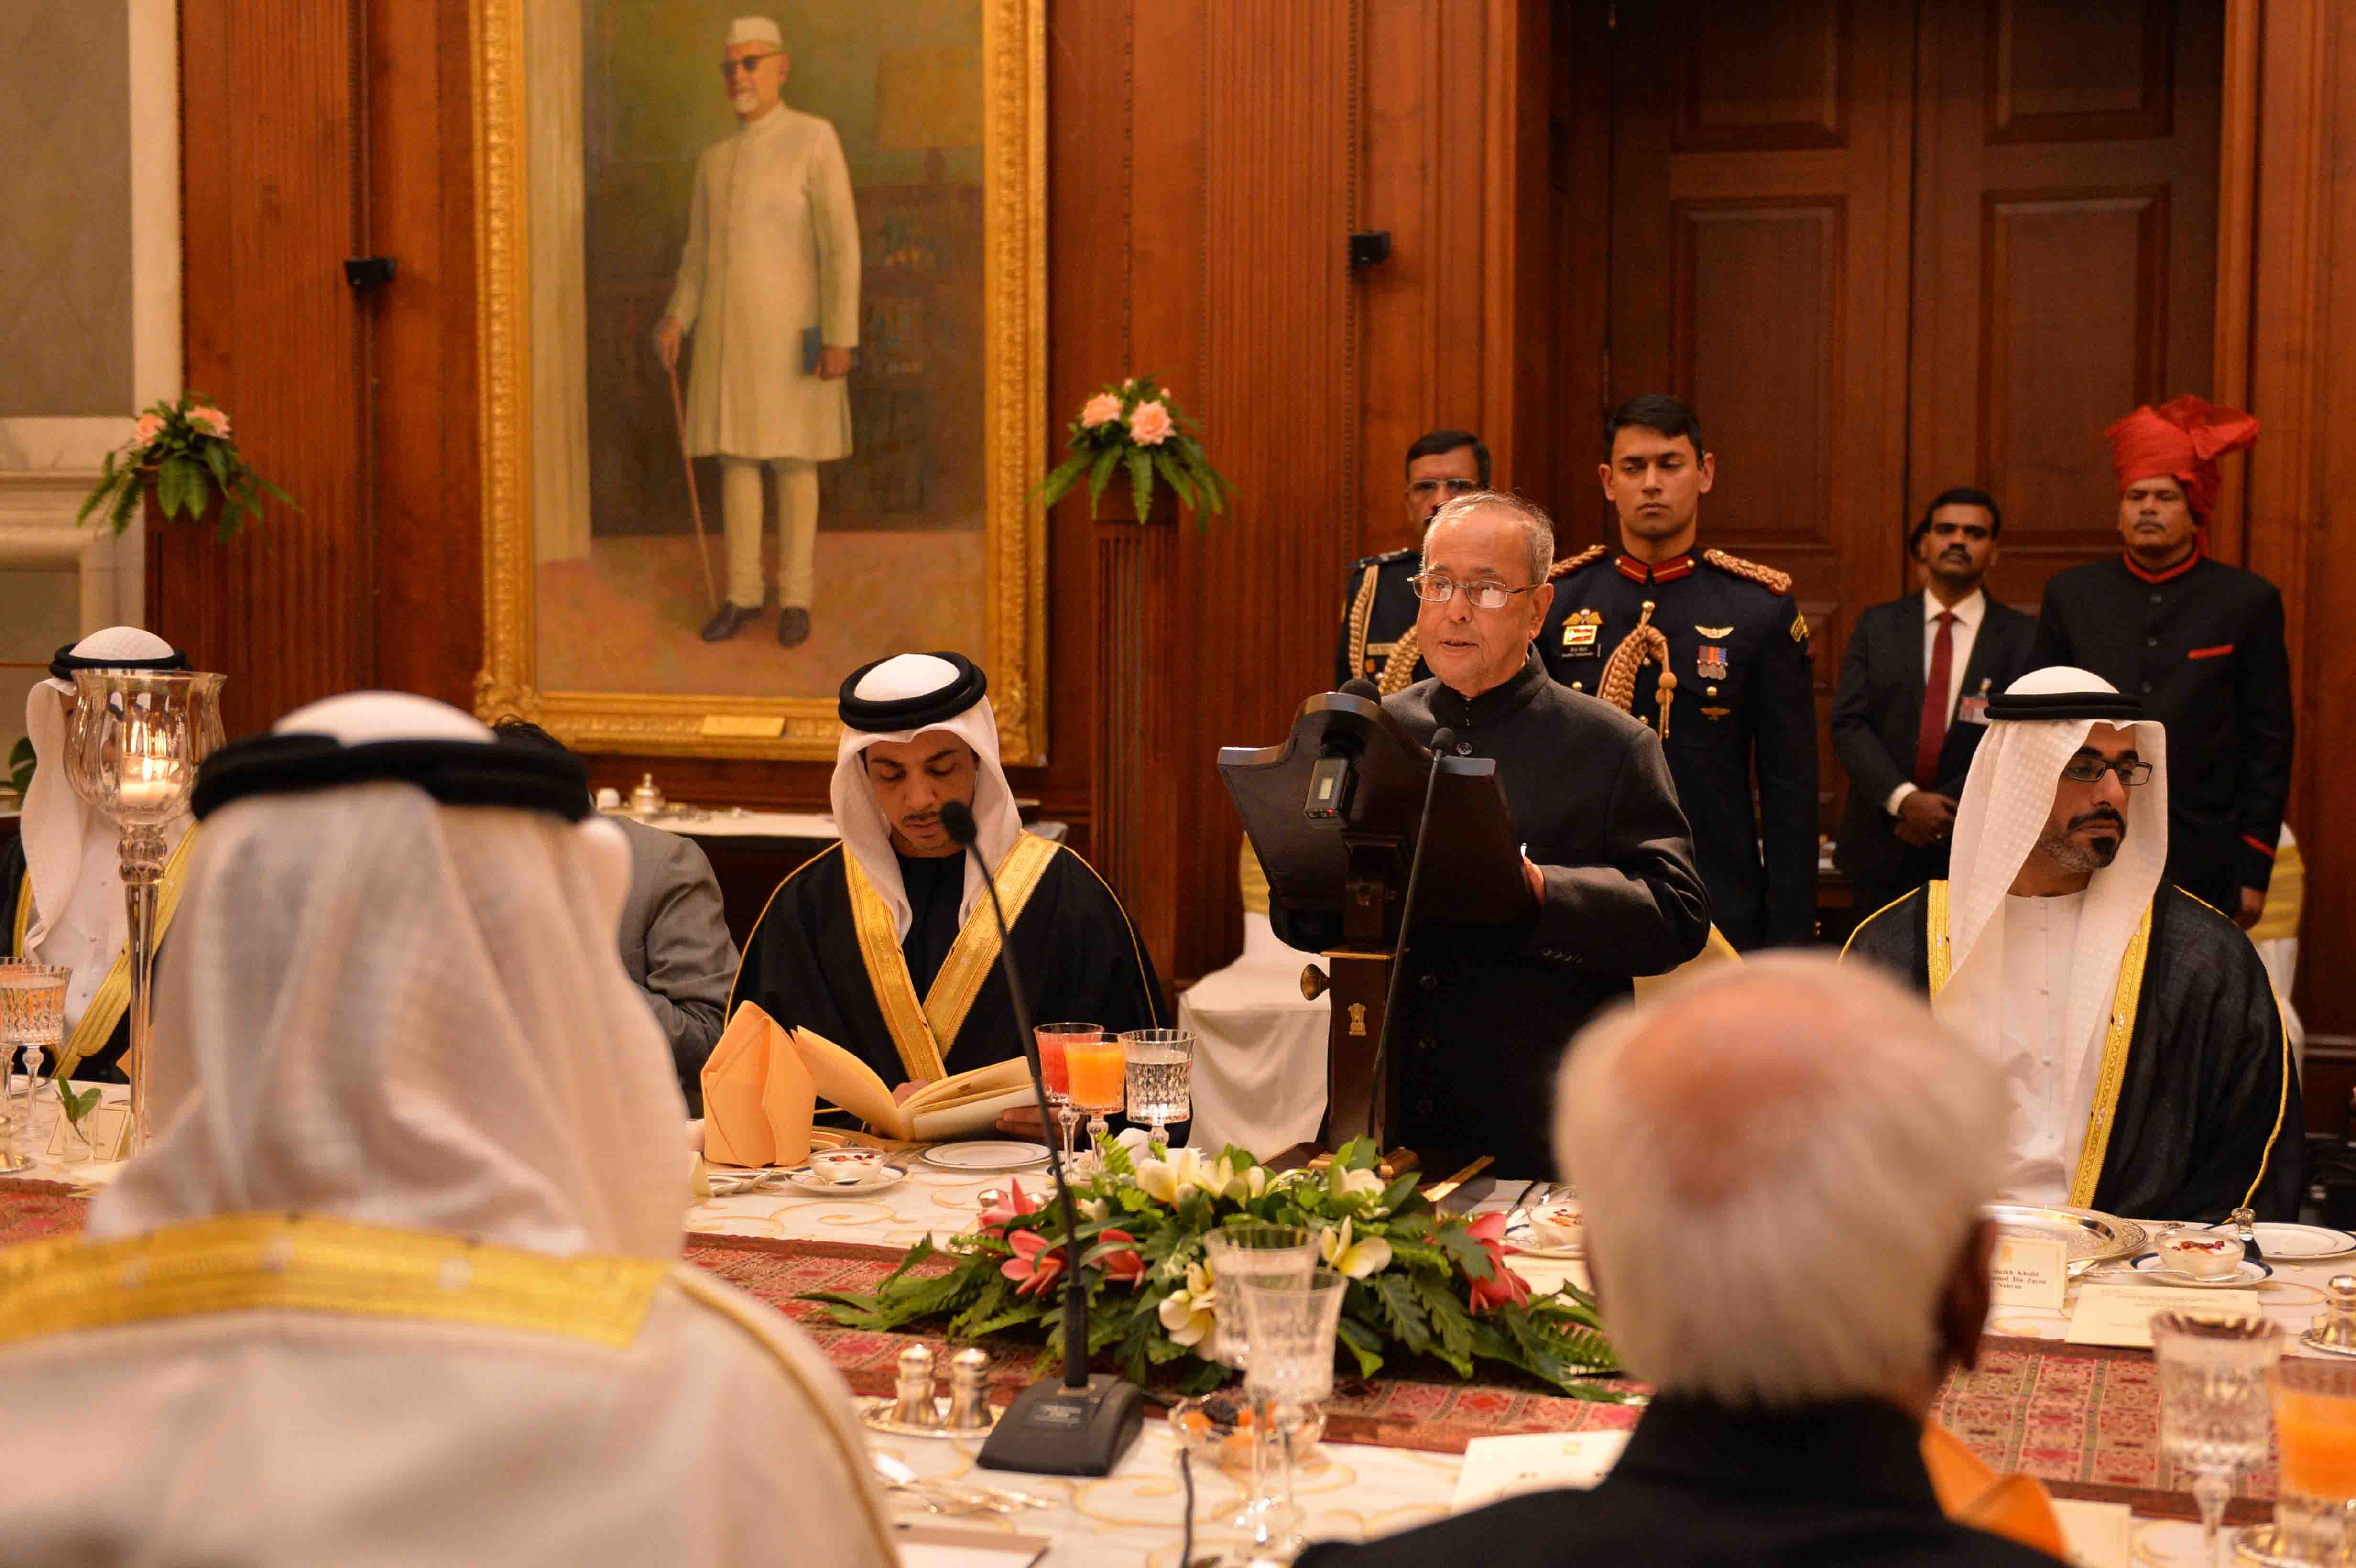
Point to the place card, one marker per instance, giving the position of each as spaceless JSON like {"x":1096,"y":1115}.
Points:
{"x":966,"y":1546}
{"x":2096,"y":1534}
{"x":2029,"y":1271}
{"x":2121,"y":1314}
{"x":110,"y":1132}
{"x":1499,"y":1468}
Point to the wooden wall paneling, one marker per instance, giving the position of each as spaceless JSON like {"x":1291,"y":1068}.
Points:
{"x":2065,"y":253}
{"x":271,"y":213}
{"x":426,"y":608}
{"x":1582,"y":170}
{"x":1766,"y":284}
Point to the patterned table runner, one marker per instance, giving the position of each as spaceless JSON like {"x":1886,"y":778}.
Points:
{"x":2083,"y":1420}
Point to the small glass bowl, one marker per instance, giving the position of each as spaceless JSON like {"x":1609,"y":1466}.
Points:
{"x":1216,"y":1429}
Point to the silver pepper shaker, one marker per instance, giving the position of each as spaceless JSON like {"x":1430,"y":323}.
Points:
{"x":912,"y":1402}
{"x":2335,"y":1326}
{"x":969,"y":1391}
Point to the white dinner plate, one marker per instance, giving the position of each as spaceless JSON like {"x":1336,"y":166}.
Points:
{"x":986,"y":1154}
{"x":1526,"y":1244}
{"x":817,"y":1185}
{"x":2291,"y":1243}
{"x":2252,"y":1272}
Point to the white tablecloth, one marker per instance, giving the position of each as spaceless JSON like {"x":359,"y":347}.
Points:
{"x":1260,"y":1049}
{"x":1133,"y":1517}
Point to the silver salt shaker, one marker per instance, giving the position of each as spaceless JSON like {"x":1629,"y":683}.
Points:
{"x":2335,"y":1326}
{"x":912,"y":1402}
{"x":969,"y":1391}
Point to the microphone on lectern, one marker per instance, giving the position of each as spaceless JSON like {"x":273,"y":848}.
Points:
{"x":1334,"y":779}
{"x":1443,"y":741}
{"x":1082,"y":1426}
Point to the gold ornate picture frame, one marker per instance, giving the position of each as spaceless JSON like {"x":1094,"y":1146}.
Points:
{"x":547,"y":437}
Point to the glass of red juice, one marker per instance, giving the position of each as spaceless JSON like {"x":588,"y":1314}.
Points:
{"x":1055,"y":1072}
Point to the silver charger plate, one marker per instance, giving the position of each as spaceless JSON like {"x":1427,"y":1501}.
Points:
{"x":2088,"y":1238}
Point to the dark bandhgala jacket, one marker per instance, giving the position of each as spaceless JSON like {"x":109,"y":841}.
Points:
{"x":1703,"y":1483}
{"x":2201,"y":645}
{"x":1484,"y":1011}
{"x":1877,"y":718}
{"x":2201,"y":1110}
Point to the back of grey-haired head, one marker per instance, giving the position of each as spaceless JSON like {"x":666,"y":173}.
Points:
{"x":1780,"y":1162}
{"x":1532,"y":515}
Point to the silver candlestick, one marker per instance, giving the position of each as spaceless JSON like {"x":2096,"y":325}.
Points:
{"x":133,"y":745}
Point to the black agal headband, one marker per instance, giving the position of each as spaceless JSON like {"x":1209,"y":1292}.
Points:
{"x":66,"y":661}
{"x":2046,"y":707}
{"x":925,"y":709}
{"x":456,"y":772}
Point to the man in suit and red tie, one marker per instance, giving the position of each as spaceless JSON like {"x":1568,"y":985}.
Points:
{"x":1912,"y":700}
{"x":2198,"y":643}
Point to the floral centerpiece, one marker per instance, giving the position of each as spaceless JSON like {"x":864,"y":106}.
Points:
{"x":1421,"y":1282}
{"x":1137,"y":430}
{"x":185,"y":448}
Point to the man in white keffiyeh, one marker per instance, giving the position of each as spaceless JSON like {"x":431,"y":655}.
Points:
{"x":886,"y":946}
{"x":61,"y":881}
{"x":2134,"y":1024}
{"x":398,"y":1282}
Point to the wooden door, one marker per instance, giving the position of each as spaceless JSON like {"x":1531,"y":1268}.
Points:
{"x":1759,"y":227}
{"x":2065,"y":253}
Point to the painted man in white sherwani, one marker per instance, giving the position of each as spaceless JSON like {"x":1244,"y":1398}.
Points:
{"x":769,"y":285}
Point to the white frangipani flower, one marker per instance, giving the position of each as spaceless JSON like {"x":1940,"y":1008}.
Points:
{"x":1357,"y":1259}
{"x":1190,"y":1313}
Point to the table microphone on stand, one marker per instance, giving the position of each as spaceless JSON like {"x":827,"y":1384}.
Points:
{"x":1083,"y":1424}
{"x":1443,"y":741}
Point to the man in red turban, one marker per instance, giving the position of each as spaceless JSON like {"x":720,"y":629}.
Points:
{"x":2199,"y":642}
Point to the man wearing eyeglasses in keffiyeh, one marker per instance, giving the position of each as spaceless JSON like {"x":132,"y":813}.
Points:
{"x":2134,"y":1024}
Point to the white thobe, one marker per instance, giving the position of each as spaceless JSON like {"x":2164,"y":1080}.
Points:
{"x":2048,"y":1075}
{"x":772,"y":253}
{"x":92,"y":930}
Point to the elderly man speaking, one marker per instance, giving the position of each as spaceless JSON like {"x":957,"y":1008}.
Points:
{"x":2132,"y":1023}
{"x":1609,"y":861}
{"x":399,"y":1281}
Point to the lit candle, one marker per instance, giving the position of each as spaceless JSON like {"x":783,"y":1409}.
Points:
{"x":149,"y":785}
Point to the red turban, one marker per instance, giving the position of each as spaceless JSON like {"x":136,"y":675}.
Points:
{"x":2182,"y":440}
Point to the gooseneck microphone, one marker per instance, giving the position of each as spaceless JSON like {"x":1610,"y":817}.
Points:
{"x":1443,"y":741}
{"x":1082,"y":1426}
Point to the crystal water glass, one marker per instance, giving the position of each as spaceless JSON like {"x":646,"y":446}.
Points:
{"x":2214,"y":1401}
{"x":1055,"y":1073}
{"x":2315,"y":1434}
{"x":32,"y":1017}
{"x":1160,"y":1065}
{"x":1293,"y":1327}
{"x":1238,"y":1256}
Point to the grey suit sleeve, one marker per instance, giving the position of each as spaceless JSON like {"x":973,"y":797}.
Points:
{"x":690,"y":961}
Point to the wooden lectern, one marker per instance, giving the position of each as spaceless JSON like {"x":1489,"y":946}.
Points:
{"x":1331,"y":814}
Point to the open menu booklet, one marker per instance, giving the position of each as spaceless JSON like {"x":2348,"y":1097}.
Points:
{"x":761,"y":1072}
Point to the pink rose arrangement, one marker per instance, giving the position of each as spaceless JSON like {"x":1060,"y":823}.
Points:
{"x":182,"y":449}
{"x":1136,"y":431}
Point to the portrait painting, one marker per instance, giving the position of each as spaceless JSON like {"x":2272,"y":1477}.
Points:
{"x":763,"y":361}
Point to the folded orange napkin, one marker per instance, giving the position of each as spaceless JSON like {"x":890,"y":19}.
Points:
{"x":759,"y":1097}
{"x":2016,"y":1507}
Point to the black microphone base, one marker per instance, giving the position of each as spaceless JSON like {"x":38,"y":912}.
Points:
{"x":1051,"y":1430}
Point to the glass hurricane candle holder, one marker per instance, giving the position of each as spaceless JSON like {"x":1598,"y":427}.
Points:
{"x":132,"y":749}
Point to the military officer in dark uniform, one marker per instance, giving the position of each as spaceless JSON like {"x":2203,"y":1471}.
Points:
{"x":2199,"y":642}
{"x":1377,"y":605}
{"x":1711,"y":650}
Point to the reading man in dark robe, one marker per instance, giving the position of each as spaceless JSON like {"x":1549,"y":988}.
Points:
{"x":2135,"y":1025}
{"x":886,"y":944}
{"x":1484,"y":1011}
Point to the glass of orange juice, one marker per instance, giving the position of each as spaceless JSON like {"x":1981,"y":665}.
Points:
{"x":2315,"y":1429}
{"x":1055,"y":1072}
{"x":1099,"y":1080}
